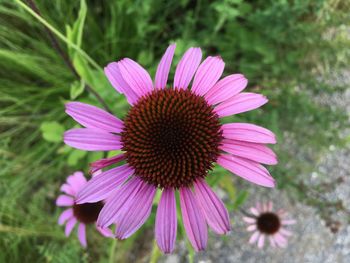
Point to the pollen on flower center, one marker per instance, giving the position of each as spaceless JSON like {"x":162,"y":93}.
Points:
{"x":87,"y":213}
{"x":268,"y":223}
{"x":171,"y":137}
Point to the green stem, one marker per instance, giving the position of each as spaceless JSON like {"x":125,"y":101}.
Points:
{"x":59,"y":35}
{"x":112,"y":251}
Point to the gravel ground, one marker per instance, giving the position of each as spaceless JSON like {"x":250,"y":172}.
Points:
{"x":312,"y":241}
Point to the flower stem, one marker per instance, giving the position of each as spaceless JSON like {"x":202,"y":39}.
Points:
{"x":51,"y":32}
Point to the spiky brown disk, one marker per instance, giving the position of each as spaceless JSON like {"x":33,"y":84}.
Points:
{"x":87,"y":213}
{"x":268,"y":223}
{"x":171,"y":137}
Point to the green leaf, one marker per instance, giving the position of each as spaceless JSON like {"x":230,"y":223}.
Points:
{"x":76,"y":89}
{"x":241,"y":198}
{"x":75,"y":156}
{"x":52,"y":131}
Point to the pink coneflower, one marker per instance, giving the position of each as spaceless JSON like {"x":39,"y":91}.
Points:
{"x":171,"y":137}
{"x":267,"y":224}
{"x":83,"y":214}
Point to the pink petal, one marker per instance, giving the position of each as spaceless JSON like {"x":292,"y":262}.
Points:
{"x":193,"y":219}
{"x":166,"y":221}
{"x":103,"y":163}
{"x":253,"y":151}
{"x":254,"y":237}
{"x":92,"y":140}
{"x":272,"y":241}
{"x":187,"y":67}
{"x":261,"y":241}
{"x":66,"y":188}
{"x":254,"y":211}
{"x":136,"y":76}
{"x":119,"y":200}
{"x":106,"y":232}
{"x":66,"y":214}
{"x":213,"y":208}
{"x":101,"y":186}
{"x":249,"y":220}
{"x":136,"y":212}
{"x":259,"y":207}
{"x":285,"y":232}
{"x":289,"y":222}
{"x":93,"y":117}
{"x":64,"y":200}
{"x":82,"y":234}
{"x":226,"y":88}
{"x":77,"y":181}
{"x":164,"y":68}
{"x":114,"y":76}
{"x":251,"y":228}
{"x":280,"y":240}
{"x":207,"y":75}
{"x":69,"y":226}
{"x":73,"y":183}
{"x":241,"y":102}
{"x":248,"y":132}
{"x":249,"y":170}
{"x":269,"y":206}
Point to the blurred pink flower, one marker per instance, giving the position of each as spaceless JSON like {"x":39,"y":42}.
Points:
{"x":267,"y":224}
{"x":171,"y":138}
{"x":81,"y":214}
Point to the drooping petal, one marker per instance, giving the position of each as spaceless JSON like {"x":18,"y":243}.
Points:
{"x":248,"y":132}
{"x":92,"y":117}
{"x":105,"y":231}
{"x":253,"y":151}
{"x":248,"y":170}
{"x":288,"y":222}
{"x":269,"y":206}
{"x":207,"y":75}
{"x":136,"y":76}
{"x":254,"y":211}
{"x":164,"y":68}
{"x":135,"y":214}
{"x":239,"y":103}
{"x":187,"y":67}
{"x":166,"y":221}
{"x":226,"y":88}
{"x":105,"y":162}
{"x":70,"y":225}
{"x":119,"y":200}
{"x":261,"y":241}
{"x":249,"y":220}
{"x":251,"y":228}
{"x":272,"y":241}
{"x":82,"y":234}
{"x":77,"y":181}
{"x":66,"y":188}
{"x":213,"y":208}
{"x":92,"y":140}
{"x":193,"y":219}
{"x":64,"y":200}
{"x":254,"y":237}
{"x":285,"y":232}
{"x":102,"y":185}
{"x":115,"y":78}
{"x":280,"y":240}
{"x":65,"y":215}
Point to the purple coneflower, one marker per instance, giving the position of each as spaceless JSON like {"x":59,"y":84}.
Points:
{"x":171,"y":137}
{"x":83,"y":214}
{"x":267,"y":224}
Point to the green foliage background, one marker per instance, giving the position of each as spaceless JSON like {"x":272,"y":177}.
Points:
{"x":283,"y":47}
